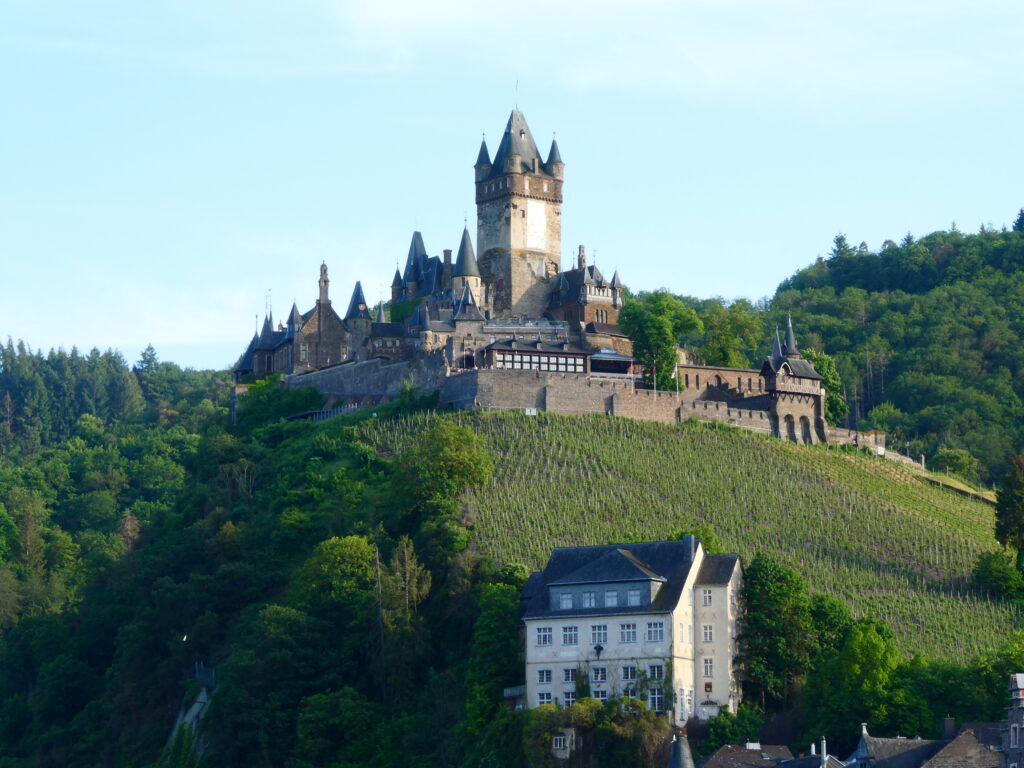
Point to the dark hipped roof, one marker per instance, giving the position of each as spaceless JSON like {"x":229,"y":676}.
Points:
{"x":965,"y":751}
{"x":738,"y":756}
{"x":895,"y":753}
{"x":667,"y":560}
{"x":570,"y":282}
{"x":244,"y":364}
{"x":609,"y":329}
{"x":387,"y":329}
{"x":717,"y":569}
{"x":614,"y":565}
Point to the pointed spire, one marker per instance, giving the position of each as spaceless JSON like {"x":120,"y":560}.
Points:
{"x":465,"y":262}
{"x":484,"y":157}
{"x":380,"y":314}
{"x":790,"y":349}
{"x":417,"y":253}
{"x":267,"y":334}
{"x":294,"y":320}
{"x":357,"y":307}
{"x":616,"y":282}
{"x":776,"y":346}
{"x":517,"y":140}
{"x":397,"y":282}
{"x":554,"y":156}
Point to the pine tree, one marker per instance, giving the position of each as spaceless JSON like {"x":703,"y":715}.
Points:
{"x":1010,"y":509}
{"x":1018,"y":225}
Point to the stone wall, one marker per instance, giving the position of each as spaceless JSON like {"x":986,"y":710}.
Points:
{"x":373,"y":380}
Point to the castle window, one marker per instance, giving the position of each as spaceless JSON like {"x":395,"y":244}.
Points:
{"x":544,"y":697}
{"x":629,"y":672}
{"x":570,"y":635}
{"x":543,"y":676}
{"x":709,"y":667}
{"x":599,"y":633}
{"x":627,"y":633}
{"x":611,"y":598}
{"x":565,"y":601}
{"x":569,"y":697}
{"x":569,"y":675}
{"x":656,"y":671}
{"x":705,"y":597}
{"x":655,"y":631}
{"x":303,"y":352}
{"x":558,"y":742}
{"x":633,"y":597}
{"x":708,"y":633}
{"x":544,"y":635}
{"x":545,"y":186}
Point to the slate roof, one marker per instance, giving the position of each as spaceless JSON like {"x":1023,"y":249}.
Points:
{"x":465,"y":308}
{"x":554,"y":156}
{"x":681,"y":756}
{"x":357,"y":309}
{"x":517,"y":140}
{"x":965,"y":751}
{"x":387,"y":329}
{"x":568,"y":287}
{"x":895,"y":753}
{"x":614,"y":565}
{"x":611,"y":329}
{"x":987,"y":733}
{"x":738,"y":756}
{"x":790,"y":347}
{"x":537,"y":346}
{"x":483,"y":157}
{"x":812,"y":761}
{"x":717,"y":569}
{"x":398,"y":279}
{"x":244,"y":364}
{"x":667,"y":560}
{"x":798,"y":366}
{"x":788,"y":354}
{"x":465,"y":263}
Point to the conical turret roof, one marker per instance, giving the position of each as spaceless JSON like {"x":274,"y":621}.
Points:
{"x":790,"y":348}
{"x":554,"y":156}
{"x":357,"y":309}
{"x":776,"y":347}
{"x":397,"y":282}
{"x":465,"y":263}
{"x":616,"y":282}
{"x":484,"y":157}
{"x":417,"y":254}
{"x":380,"y":314}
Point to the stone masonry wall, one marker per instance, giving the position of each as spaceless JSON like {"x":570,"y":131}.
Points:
{"x":373,"y":380}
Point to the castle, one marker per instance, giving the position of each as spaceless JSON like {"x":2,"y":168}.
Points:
{"x":504,"y":326}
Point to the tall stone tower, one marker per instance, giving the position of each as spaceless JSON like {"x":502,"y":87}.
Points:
{"x":519,"y":222}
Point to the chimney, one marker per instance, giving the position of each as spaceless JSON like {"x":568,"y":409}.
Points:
{"x":863,"y":729}
{"x":447,"y":257}
{"x":824,"y":752}
{"x":581,"y":258}
{"x":948,"y":727}
{"x":813,"y":748}
{"x":536,"y":164}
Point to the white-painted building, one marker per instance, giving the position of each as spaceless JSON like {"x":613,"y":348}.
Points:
{"x":655,"y":620}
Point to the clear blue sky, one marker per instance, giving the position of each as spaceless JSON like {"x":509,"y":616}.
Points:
{"x":163,"y":165}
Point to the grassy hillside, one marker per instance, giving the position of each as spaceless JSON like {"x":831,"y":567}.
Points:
{"x":869,"y":531}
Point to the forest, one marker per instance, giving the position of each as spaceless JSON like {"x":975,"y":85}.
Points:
{"x":923,"y":339}
{"x":347,"y":591}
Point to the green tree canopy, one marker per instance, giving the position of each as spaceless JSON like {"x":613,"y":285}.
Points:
{"x":836,"y":409}
{"x":656,"y":322}
{"x":1010,"y":509}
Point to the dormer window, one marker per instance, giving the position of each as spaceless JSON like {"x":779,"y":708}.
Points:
{"x":565,"y":601}
{"x":633,"y":597}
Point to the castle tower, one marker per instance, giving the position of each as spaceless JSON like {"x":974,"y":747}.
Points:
{"x":324,"y":284}
{"x":466,"y":275}
{"x":519,"y":221}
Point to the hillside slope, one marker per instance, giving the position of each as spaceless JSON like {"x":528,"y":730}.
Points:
{"x":868,"y":531}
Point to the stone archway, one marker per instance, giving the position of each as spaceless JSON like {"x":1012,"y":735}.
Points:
{"x":790,"y":428}
{"x":805,"y":430}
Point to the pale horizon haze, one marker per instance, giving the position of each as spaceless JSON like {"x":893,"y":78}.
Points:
{"x":166,"y":166}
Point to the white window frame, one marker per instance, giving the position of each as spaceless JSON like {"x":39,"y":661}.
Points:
{"x":656,"y":671}
{"x":599,"y":634}
{"x":611,"y":599}
{"x":558,"y":742}
{"x":601,"y":695}
{"x":707,"y":632}
{"x":655,"y":631}
{"x":599,"y":674}
{"x":705,"y":597}
{"x":629,"y":672}
{"x":569,"y":698}
{"x":589,"y":599}
{"x":627,"y":632}
{"x":709,"y":667}
{"x":570,"y":634}
{"x":568,"y":674}
{"x":565,"y":601}
{"x":656,"y":698}
{"x":544,"y":697}
{"x":545,"y":636}
{"x":633,"y":598}
{"x":543,"y":676}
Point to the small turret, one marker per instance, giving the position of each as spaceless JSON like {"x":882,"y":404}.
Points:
{"x":324,"y":284}
{"x":790,"y":348}
{"x":554,"y":164}
{"x":357,"y":309}
{"x":380,"y":313}
{"x":581,"y":258}
{"x":413,"y":273}
{"x":396,"y":288}
{"x":466,"y":275}
{"x":483,"y":162}
{"x":294,"y":320}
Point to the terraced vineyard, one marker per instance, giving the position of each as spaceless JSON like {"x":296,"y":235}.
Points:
{"x":866,"y":530}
